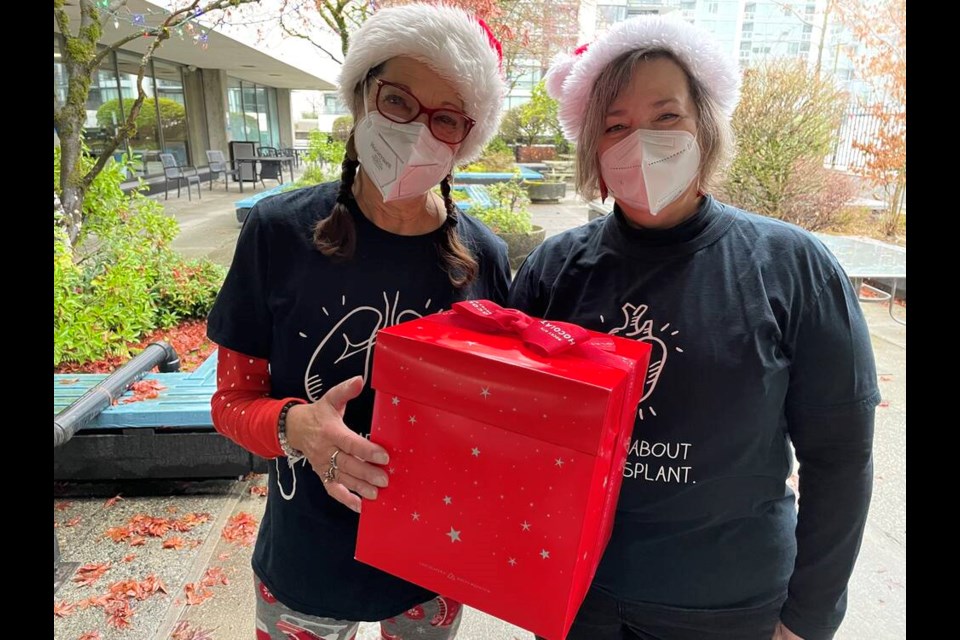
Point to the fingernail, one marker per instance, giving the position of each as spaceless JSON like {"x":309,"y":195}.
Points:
{"x":381,"y":458}
{"x":380,"y":480}
{"x":370,"y":494}
{"x":356,"y":508}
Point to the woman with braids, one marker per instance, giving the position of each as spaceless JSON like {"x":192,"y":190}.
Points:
{"x":317,"y":272}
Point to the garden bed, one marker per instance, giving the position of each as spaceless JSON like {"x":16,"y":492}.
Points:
{"x":189,"y":340}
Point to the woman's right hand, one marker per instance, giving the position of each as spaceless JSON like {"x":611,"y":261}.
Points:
{"x":318,"y":431}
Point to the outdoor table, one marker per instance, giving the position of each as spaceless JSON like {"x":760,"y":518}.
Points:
{"x":861,"y":259}
{"x":281,"y":160}
{"x":867,"y":259}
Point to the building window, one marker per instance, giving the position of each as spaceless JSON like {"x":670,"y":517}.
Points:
{"x":808,"y":28}
{"x":332,"y":105}
{"x":253,"y":113}
{"x":805,"y":47}
{"x":713,"y":7}
{"x":793,"y":48}
{"x":172,"y":110}
{"x":608,"y":14}
{"x":747,"y":27}
{"x":745,"y":45}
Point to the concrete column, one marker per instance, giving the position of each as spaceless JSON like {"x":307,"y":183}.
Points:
{"x":215,"y":103}
{"x":285,"y":116}
{"x":196,"y":117}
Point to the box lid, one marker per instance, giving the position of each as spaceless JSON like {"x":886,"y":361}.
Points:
{"x":441,"y":361}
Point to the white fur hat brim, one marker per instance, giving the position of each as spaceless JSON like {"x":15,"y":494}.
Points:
{"x":451,"y":42}
{"x":570,"y":79}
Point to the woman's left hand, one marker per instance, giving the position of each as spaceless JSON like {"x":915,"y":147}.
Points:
{"x":782,"y":633}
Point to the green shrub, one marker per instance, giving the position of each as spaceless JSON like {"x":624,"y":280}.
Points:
{"x":186,"y":289}
{"x":492,"y":161}
{"x":785,"y":124}
{"x":121,"y":278}
{"x":342,"y":127}
{"x":510,"y":211}
{"x":324,"y":158}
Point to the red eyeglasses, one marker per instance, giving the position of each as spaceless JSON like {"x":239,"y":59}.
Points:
{"x":399,"y":105}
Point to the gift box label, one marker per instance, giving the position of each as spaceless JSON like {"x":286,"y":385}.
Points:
{"x":505,"y":466}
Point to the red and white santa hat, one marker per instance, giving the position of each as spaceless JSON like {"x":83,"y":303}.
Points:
{"x":455,"y":44}
{"x":571,"y":76}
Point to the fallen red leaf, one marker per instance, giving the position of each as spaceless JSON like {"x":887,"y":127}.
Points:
{"x":189,"y":521}
{"x":153,"y":584}
{"x":886,"y":378}
{"x":259,"y":491}
{"x":112,"y":501}
{"x":171,"y":509}
{"x":62,"y":506}
{"x":240,"y":529}
{"x":884,"y":404}
{"x":72,"y":522}
{"x":214,"y":576}
{"x":119,"y":614}
{"x":196,"y":594}
{"x":127,"y":589}
{"x":174,"y":542}
{"x":90,"y":573}
{"x":144,"y":390}
{"x":63,"y":609}
{"x":69,"y":380}
{"x":118,"y":534}
{"x":137,"y":541}
{"x":129,"y":557}
{"x":223,"y":556}
{"x":90,"y":635}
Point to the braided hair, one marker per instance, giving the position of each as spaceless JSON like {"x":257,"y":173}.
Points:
{"x":336,"y":235}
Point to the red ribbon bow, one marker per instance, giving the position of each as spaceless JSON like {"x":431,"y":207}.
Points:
{"x":544,"y":337}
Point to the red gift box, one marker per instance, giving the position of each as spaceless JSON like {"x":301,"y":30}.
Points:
{"x":507,"y":438}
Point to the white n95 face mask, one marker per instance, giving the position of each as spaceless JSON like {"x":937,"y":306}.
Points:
{"x":650,"y":169}
{"x":403,"y":160}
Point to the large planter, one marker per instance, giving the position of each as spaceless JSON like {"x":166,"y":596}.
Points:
{"x":546,"y":191}
{"x":519,"y":245}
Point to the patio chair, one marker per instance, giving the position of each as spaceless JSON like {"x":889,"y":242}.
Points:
{"x":290,"y":152}
{"x":267,"y":152}
{"x":172,"y":170}
{"x":270,"y":170}
{"x":218,"y":164}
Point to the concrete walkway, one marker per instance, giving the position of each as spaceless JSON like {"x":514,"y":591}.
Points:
{"x":877,"y":599}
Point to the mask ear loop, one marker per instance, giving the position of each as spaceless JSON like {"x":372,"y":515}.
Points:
{"x":602,"y":184}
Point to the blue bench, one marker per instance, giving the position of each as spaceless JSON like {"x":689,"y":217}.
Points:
{"x":170,"y":436}
{"x":477,"y":177}
{"x":244,"y":205}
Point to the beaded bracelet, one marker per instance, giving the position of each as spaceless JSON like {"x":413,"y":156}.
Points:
{"x":292,"y":454}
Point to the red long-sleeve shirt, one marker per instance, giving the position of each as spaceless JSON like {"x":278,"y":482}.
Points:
{"x":242,"y":408}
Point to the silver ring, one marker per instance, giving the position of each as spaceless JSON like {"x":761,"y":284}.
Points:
{"x":333,"y":460}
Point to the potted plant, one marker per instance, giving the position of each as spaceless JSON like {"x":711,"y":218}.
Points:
{"x":546,"y":190}
{"x":508,"y":216}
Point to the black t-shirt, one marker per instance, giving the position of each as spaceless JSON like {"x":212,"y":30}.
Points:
{"x":316,"y":321}
{"x":758,"y":339}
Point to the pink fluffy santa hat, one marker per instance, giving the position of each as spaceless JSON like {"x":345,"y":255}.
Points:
{"x":454,"y":43}
{"x":571,"y":76}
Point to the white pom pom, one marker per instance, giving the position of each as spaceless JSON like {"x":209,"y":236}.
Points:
{"x":558,"y":72}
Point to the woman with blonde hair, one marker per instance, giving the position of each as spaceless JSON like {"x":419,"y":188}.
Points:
{"x":758,"y":342}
